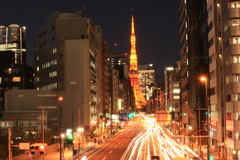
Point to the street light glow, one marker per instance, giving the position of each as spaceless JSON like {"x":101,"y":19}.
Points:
{"x":203,"y":78}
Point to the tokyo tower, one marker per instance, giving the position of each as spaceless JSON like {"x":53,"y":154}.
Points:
{"x":133,"y":71}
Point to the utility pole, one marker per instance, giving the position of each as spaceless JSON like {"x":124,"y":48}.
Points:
{"x":61,"y":134}
{"x":9,"y":144}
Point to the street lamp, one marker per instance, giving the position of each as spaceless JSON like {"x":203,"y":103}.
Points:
{"x":205,"y":79}
{"x":61,"y":146}
{"x":80,"y":130}
{"x":41,"y":104}
{"x":78,"y":105}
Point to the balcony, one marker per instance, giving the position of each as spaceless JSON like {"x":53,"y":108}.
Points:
{"x":234,"y":31}
{"x":232,"y":49}
{"x":233,"y":143}
{"x":233,"y":87}
{"x":234,"y":12}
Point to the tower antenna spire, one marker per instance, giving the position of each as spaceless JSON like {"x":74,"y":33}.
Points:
{"x":83,"y":13}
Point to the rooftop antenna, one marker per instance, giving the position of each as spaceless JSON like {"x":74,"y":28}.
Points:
{"x":84,"y":6}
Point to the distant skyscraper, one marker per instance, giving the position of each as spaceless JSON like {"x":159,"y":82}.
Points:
{"x":13,"y":38}
{"x":14,"y":73}
{"x":147,"y":80}
{"x":147,"y":85}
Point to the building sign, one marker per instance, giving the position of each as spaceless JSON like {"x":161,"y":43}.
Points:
{"x":23,"y":146}
{"x":123,"y":115}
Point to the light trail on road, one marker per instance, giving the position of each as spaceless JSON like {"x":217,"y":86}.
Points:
{"x":155,"y":140}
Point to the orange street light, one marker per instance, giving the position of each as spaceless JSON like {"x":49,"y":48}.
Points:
{"x":205,"y":79}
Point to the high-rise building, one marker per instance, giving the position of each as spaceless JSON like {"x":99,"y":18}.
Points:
{"x":14,"y":73}
{"x":230,"y":21}
{"x":194,"y":60}
{"x":172,"y":87}
{"x":13,"y":38}
{"x":105,"y":84}
{"x":216,"y":77}
{"x":68,"y":53}
{"x":147,"y":85}
{"x":222,"y":94}
{"x":118,"y":61}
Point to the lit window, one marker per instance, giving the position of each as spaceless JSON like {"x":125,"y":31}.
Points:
{"x":235,"y":22}
{"x":237,"y":97}
{"x":236,"y":59}
{"x":37,"y":68}
{"x":227,"y":62}
{"x":225,"y":26}
{"x":9,"y":70}
{"x":235,"y":5}
{"x":16,"y":79}
{"x":54,"y":50}
{"x":186,"y":24}
{"x":37,"y":58}
{"x":186,"y":37}
{"x":236,"y":78}
{"x":175,"y":85}
{"x":176,"y":97}
{"x":227,"y":80}
{"x":176,"y":91}
{"x":170,"y":68}
{"x":236,"y":40}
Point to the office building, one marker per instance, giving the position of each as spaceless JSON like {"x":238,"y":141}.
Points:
{"x":68,"y":52}
{"x":14,"y":73}
{"x":147,"y":85}
{"x":194,"y":61}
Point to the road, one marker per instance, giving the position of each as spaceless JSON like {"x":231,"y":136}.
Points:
{"x":156,"y":140}
{"x":114,"y":147}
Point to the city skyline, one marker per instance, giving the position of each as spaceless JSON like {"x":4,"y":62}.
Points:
{"x":155,"y":44}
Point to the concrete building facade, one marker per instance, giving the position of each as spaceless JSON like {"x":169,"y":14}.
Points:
{"x":67,"y":57}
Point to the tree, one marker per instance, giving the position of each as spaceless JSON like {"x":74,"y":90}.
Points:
{"x":17,"y":134}
{"x":3,"y":147}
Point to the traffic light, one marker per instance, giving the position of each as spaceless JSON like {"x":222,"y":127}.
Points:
{"x":129,"y":115}
{"x":38,"y":147}
{"x":32,"y":150}
{"x":69,"y":136}
{"x":206,"y":112}
{"x":170,"y":109}
{"x":211,"y":157}
{"x":184,"y":113}
{"x":41,"y":149}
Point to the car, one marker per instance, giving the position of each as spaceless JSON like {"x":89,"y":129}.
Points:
{"x":155,"y":157}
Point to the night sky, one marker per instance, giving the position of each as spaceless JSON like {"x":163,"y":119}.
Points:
{"x":156,"y":25}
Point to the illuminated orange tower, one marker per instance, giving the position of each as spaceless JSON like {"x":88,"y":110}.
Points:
{"x":133,"y":70}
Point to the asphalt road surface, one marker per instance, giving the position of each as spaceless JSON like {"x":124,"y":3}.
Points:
{"x":113,"y":148}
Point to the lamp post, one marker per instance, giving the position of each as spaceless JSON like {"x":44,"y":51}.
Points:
{"x":80,"y":130}
{"x":205,"y":79}
{"x":78,"y":105}
{"x":41,"y":104}
{"x":61,"y":146}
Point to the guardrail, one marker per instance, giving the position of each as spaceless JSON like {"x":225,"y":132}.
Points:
{"x":86,"y":149}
